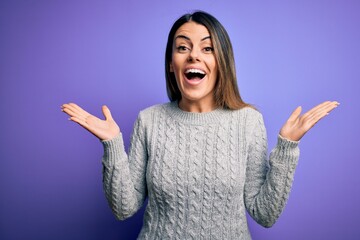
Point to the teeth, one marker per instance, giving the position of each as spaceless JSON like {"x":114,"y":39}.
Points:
{"x":193,"y":70}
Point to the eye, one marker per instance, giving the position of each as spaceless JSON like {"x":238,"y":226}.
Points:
{"x":181,"y":49}
{"x":208,"y":49}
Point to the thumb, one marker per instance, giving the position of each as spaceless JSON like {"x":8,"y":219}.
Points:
{"x":295,"y":114}
{"x":107,"y":113}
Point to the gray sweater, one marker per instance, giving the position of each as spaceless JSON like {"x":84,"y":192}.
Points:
{"x":199,"y":171}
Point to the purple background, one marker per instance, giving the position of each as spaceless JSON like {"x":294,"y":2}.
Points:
{"x":112,"y":52}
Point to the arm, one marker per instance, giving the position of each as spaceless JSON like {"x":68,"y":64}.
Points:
{"x":123,"y":176}
{"x":268,"y":184}
{"x":267,"y":187}
{"x":124,"y":180}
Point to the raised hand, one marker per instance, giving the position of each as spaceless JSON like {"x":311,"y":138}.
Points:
{"x":102,"y":129}
{"x":296,"y":126}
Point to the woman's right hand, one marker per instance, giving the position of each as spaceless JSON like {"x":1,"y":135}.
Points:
{"x":102,"y":129}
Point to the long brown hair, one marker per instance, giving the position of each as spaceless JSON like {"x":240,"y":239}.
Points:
{"x":226,"y":91}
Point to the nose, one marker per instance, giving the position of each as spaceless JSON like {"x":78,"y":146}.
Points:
{"x":194,"y":55}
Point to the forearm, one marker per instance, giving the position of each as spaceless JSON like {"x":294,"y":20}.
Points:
{"x":117,"y":180}
{"x":268,"y":194}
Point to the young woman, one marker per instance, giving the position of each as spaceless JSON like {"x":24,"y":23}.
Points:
{"x":201,"y":159}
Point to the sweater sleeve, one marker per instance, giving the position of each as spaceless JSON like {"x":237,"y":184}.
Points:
{"x":268,"y":183}
{"x":124,"y":179}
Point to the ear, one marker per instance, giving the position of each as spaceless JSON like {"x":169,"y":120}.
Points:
{"x":171,"y":68}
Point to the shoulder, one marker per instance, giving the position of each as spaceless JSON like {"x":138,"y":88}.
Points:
{"x":148,"y":113}
{"x":250,"y":120}
{"x":249,"y":114}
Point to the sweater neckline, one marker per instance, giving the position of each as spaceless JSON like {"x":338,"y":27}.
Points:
{"x":215,"y":116}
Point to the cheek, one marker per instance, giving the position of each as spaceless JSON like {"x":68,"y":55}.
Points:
{"x":214,"y":72}
{"x":173,"y":66}
{"x":176,"y":75}
{"x":176,"y":70}
{"x":212,"y":64}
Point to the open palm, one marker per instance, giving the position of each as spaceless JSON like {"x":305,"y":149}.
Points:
{"x":102,"y":129}
{"x":297,"y":125}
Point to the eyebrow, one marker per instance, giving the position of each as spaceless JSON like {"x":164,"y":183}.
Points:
{"x":187,"y":38}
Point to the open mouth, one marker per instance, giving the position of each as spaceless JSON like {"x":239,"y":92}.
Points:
{"x":195,"y":74}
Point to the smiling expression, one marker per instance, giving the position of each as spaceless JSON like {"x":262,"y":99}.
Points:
{"x":194,"y":66}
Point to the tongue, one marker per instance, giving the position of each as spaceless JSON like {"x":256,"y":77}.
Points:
{"x":195,"y":79}
{"x":194,"y":76}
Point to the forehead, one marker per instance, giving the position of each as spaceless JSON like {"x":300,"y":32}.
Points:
{"x":192,"y":30}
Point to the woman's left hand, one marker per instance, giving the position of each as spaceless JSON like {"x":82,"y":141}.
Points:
{"x":296,"y":126}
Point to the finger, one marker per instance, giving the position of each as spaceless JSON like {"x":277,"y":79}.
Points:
{"x":80,"y":121}
{"x":78,"y":109}
{"x":313,"y":121}
{"x":73,"y":112}
{"x":107,"y":113}
{"x":295,"y":114}
{"x":327,"y":109}
{"x":75,"y":109}
{"x":70,"y":112}
{"x":323,"y":112}
{"x":319,"y":109}
{"x":316,"y":108}
{"x":324,"y":107}
{"x":70,"y":107}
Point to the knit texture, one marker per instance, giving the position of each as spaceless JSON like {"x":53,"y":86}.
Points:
{"x":200,"y":173}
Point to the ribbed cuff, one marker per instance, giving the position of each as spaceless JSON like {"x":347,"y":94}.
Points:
{"x":113,"y":149}
{"x":286,"y":143}
{"x":286,"y":154}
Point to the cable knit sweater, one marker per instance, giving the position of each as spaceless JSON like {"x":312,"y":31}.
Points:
{"x":200,"y":172}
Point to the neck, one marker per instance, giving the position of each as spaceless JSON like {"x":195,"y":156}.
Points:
{"x":197,"y":106}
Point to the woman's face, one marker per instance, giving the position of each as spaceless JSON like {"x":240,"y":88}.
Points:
{"x":194,"y":65}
